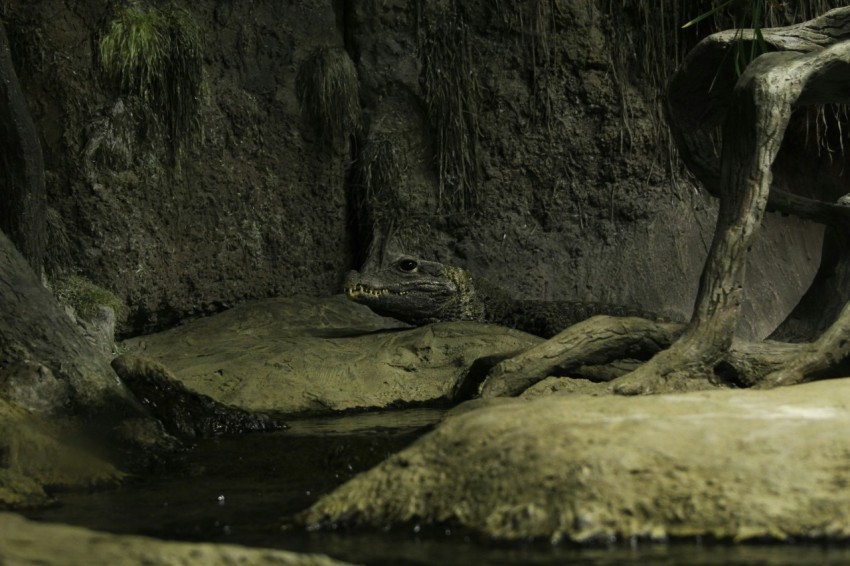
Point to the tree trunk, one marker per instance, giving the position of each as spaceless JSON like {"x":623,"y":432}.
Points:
{"x":755,"y":113}
{"x":595,"y":341}
{"x":810,"y":65}
{"x":23,"y":205}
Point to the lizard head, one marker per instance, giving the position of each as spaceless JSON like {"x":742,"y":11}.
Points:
{"x":415,"y":291}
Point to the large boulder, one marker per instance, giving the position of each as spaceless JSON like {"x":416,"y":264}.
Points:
{"x":311,"y":355}
{"x":728,"y":464}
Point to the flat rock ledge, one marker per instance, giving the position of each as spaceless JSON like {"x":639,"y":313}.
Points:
{"x":322,"y":355}
{"x":735,"y":465}
{"x":28,"y":542}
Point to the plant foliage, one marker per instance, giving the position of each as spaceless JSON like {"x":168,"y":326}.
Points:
{"x":451,"y":90}
{"x":379,"y":172}
{"x":157,"y":54}
{"x":758,"y":46}
{"x":652,"y":43}
{"x":85,"y":297}
{"x":329,"y":94}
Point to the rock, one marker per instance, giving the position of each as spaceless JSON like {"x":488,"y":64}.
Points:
{"x":730,"y":464}
{"x":184,"y":413}
{"x":322,"y":355}
{"x":33,"y":387}
{"x":99,"y":330}
{"x":34,"y":326}
{"x":28,"y":542}
{"x":36,"y":454}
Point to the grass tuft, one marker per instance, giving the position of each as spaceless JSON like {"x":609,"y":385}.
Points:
{"x":378,"y":174}
{"x":451,"y":90}
{"x":85,"y":297}
{"x":157,"y":54}
{"x":329,"y":94}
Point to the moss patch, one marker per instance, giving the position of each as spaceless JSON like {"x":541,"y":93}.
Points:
{"x":85,"y":297}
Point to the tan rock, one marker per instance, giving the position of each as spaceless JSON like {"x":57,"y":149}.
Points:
{"x":28,"y":542}
{"x":730,"y":464}
{"x":322,"y":355}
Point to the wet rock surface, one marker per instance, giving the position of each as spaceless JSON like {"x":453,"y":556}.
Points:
{"x":182,"y":412}
{"x":323,"y":355}
{"x":568,"y":211}
{"x":40,"y":455}
{"x":735,"y":465}
{"x":28,"y":542}
{"x":567,"y":462}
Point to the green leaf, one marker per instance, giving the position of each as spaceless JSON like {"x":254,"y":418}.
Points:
{"x":708,"y":14}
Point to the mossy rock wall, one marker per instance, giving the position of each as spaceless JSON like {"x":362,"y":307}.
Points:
{"x":253,"y":210}
{"x":573,"y":197}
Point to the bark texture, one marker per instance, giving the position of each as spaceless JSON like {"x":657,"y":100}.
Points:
{"x":595,"y":341}
{"x":809,"y":65}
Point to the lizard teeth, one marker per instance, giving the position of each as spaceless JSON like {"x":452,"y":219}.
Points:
{"x":359,"y":291}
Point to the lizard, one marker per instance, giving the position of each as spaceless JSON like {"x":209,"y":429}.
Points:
{"x":420,"y":292}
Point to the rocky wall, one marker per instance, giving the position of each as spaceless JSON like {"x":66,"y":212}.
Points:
{"x":569,"y":197}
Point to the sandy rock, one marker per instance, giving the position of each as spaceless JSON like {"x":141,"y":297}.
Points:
{"x":36,"y":454}
{"x":27,"y":542}
{"x":322,"y":355}
{"x":730,"y":464}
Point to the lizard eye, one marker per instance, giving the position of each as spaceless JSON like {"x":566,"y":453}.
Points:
{"x":408,"y":265}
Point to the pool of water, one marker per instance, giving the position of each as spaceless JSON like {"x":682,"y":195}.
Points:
{"x":244,"y":490}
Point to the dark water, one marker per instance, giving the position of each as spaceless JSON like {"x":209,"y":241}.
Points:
{"x":243,"y":490}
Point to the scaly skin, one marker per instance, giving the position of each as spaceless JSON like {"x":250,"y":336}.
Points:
{"x":421,"y":292}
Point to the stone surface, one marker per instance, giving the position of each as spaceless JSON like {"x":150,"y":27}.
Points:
{"x":37,"y":455}
{"x":28,"y":542}
{"x":729,"y":464}
{"x":100,"y":330}
{"x":322,"y":355}
{"x":35,"y":331}
{"x":576,"y":197}
{"x":33,"y":387}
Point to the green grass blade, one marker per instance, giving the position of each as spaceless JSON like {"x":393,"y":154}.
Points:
{"x":708,"y":14}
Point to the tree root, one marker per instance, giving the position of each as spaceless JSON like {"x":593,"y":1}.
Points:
{"x":809,"y":64}
{"x":597,"y":344}
{"x":597,"y":340}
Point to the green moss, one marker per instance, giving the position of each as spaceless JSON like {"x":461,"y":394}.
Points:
{"x":157,"y":54}
{"x":85,"y":297}
{"x":329,"y":94}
